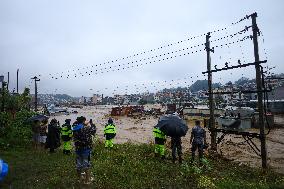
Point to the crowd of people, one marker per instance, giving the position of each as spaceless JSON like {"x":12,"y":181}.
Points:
{"x":51,"y":136}
{"x":78,"y":136}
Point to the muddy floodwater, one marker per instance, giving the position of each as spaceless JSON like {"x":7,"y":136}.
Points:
{"x":140,"y":131}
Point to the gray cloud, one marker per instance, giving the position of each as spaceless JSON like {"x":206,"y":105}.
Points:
{"x":42,"y":37}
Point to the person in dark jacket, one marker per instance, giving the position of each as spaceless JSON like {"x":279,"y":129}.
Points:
{"x":82,"y":136}
{"x":197,"y":139}
{"x":53,"y":136}
{"x":176,"y":145}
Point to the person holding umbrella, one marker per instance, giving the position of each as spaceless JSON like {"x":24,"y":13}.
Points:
{"x":160,"y":139}
{"x":39,"y":124}
{"x":198,"y":140}
{"x":176,"y":145}
{"x":172,"y":125}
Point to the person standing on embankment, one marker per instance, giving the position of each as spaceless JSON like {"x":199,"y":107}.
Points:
{"x":109,"y":133}
{"x":66,"y":136}
{"x":36,"y":134}
{"x":53,"y":136}
{"x":82,"y":136}
{"x":160,"y":139}
{"x":43,"y":133}
{"x":198,"y":140}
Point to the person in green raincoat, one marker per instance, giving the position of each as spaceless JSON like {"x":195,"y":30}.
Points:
{"x":160,"y":139}
{"x":66,"y":136}
{"x":109,"y":133}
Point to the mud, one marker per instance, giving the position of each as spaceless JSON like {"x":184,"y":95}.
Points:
{"x":140,"y":131}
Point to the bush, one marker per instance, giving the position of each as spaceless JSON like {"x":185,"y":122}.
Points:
{"x":17,"y":131}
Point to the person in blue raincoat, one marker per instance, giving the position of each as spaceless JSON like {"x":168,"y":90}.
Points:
{"x":3,"y":170}
{"x":82,"y":136}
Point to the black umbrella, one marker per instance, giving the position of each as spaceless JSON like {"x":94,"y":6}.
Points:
{"x":38,"y":117}
{"x":172,"y":125}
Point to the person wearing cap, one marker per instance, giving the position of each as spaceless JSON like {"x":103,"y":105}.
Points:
{"x":66,"y":136}
{"x":109,"y":133}
{"x":198,"y":140}
{"x":3,"y":170}
{"x":82,"y":137}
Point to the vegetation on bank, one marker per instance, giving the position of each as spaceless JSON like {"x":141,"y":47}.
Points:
{"x":130,"y":166}
{"x":14,"y":128}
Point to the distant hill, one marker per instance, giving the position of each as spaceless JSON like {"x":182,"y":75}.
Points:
{"x":244,"y":80}
{"x":55,"y":98}
{"x":202,"y":85}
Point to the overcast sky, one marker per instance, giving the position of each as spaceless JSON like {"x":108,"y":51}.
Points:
{"x":51,"y":38}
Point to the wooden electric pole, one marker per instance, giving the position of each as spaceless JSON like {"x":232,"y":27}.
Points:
{"x":17,"y":81}
{"x":36,"y":80}
{"x":3,"y":96}
{"x":211,"y":106}
{"x":8,"y":82}
{"x":259,"y":92}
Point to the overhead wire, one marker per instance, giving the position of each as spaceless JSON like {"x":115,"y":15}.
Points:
{"x":151,"y":50}
{"x":161,"y":57}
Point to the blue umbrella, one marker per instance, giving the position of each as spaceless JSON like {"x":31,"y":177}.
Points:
{"x":172,"y":125}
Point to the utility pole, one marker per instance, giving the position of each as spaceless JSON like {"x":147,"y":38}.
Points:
{"x":3,"y":93}
{"x":36,"y":80}
{"x":211,"y":106}
{"x":8,"y":81}
{"x":17,"y":81}
{"x":259,"y":92}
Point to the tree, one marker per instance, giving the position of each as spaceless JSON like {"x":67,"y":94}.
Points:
{"x":16,"y":102}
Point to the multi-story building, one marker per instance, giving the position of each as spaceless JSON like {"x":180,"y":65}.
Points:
{"x":118,"y":99}
{"x":97,"y":99}
{"x":82,"y":100}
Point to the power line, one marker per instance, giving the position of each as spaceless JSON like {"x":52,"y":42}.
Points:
{"x":161,"y":47}
{"x":153,"y":59}
{"x":137,"y":63}
{"x":233,"y":42}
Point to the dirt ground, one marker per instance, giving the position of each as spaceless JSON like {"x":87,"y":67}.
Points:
{"x":140,"y":131}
